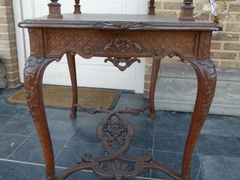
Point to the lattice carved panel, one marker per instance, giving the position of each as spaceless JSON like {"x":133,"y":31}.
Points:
{"x":88,"y":43}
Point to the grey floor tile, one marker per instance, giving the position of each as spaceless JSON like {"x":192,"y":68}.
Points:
{"x":174,"y":122}
{"x":64,"y":114}
{"x":218,"y":146}
{"x":20,"y":117}
{"x":234,"y":126}
{"x":4,"y":119}
{"x":6,"y":93}
{"x":93,"y":119}
{"x":161,"y":117}
{"x":169,"y":141}
{"x":216,"y":127}
{"x":85,"y":133}
{"x":143,"y":139}
{"x":25,"y":128}
{"x":138,"y":153}
{"x":32,"y":145}
{"x":62,"y":128}
{"x":142,"y":121}
{"x":220,"y":168}
{"x":121,"y":104}
{"x":20,"y":171}
{"x":9,"y":109}
{"x":136,"y":103}
{"x":50,"y":111}
{"x":174,"y":161}
{"x":74,"y":150}
{"x":227,"y":118}
{"x":9,"y":143}
{"x":238,"y":141}
{"x":215,"y":117}
{"x":132,"y":96}
{"x":25,"y":112}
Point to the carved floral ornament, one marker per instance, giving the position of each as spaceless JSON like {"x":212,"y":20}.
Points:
{"x":122,"y":45}
{"x":122,"y":63}
{"x":127,"y":26}
{"x":206,"y":69}
{"x":115,"y":131}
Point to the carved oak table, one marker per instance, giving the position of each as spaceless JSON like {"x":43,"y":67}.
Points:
{"x":121,"y":39}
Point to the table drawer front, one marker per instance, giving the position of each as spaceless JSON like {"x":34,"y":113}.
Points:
{"x":106,"y":43}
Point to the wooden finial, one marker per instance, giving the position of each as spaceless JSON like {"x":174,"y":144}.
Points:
{"x":151,"y":8}
{"x":54,"y":10}
{"x":77,"y":7}
{"x":187,"y":11}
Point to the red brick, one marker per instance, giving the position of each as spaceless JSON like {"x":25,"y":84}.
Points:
{"x":6,"y":11}
{"x":11,"y":68}
{"x":216,"y":63}
{"x":199,"y":6}
{"x":12,"y":75}
{"x":9,"y":61}
{"x":172,"y":5}
{"x":147,"y":85}
{"x":149,"y":60}
{"x":235,"y":64}
{"x":167,"y":14}
{"x":233,"y":27}
{"x":7,"y":44}
{"x":4,"y":36}
{"x":205,"y":7}
{"x":7,"y":36}
{"x":215,"y":45}
{"x":223,"y":55}
{"x":233,"y":18}
{"x":7,"y":28}
{"x":148,"y":69}
{"x":8,"y":53}
{"x":234,"y":8}
{"x":231,"y":46}
{"x":14,"y":83}
{"x":3,"y":28}
{"x":147,"y":77}
{"x":226,"y":37}
{"x":5,"y":2}
{"x":158,"y":5}
{"x":6,"y":20}
{"x":146,"y":94}
{"x":202,"y":16}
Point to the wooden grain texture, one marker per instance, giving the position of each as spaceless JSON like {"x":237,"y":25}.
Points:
{"x":121,"y":39}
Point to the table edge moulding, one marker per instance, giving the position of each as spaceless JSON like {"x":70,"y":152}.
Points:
{"x":121,"y":39}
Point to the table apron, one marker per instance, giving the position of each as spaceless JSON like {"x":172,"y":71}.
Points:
{"x":53,"y":43}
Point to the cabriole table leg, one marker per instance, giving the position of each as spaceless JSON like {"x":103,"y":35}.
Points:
{"x":206,"y":76}
{"x":155,"y":69}
{"x":33,"y":74}
{"x":72,"y":71}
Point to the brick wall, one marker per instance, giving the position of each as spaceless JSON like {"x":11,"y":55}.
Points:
{"x":8,"y":50}
{"x":225,"y":51}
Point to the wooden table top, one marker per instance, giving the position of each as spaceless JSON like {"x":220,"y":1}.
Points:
{"x":118,"y":22}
